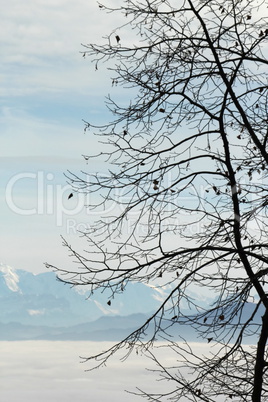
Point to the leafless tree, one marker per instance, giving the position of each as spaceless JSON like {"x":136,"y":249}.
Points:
{"x":187,"y":175}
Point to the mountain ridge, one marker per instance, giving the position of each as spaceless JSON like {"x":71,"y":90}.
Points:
{"x":103,"y":329}
{"x":35,"y":307}
{"x":41,"y":299}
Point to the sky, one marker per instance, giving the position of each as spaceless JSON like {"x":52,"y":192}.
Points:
{"x":47,"y":90}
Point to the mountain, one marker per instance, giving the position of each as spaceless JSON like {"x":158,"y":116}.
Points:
{"x":104,"y":329}
{"x":42,"y":307}
{"x":41,"y":299}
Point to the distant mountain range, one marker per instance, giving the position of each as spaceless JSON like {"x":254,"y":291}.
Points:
{"x":42,"y":307}
{"x":39,"y":306}
{"x":103,"y":329}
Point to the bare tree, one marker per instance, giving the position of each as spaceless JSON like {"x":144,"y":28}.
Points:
{"x":188,"y":174}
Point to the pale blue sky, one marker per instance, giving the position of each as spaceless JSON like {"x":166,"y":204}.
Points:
{"x":47,"y":88}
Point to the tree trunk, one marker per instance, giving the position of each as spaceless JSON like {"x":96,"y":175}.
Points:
{"x":260,"y":361}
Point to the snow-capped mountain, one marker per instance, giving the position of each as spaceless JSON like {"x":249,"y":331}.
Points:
{"x":41,"y":307}
{"x":43,"y":300}
{"x":10,"y":277}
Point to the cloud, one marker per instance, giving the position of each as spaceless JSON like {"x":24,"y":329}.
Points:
{"x":42,"y":47}
{"x":36,"y":312}
{"x":43,"y":371}
{"x":52,"y":371}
